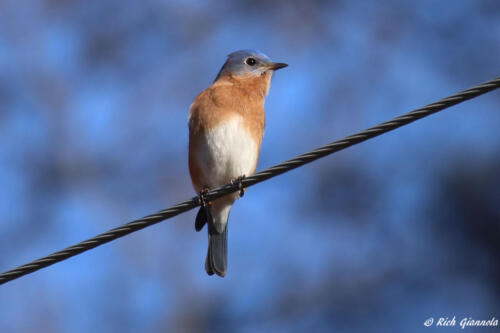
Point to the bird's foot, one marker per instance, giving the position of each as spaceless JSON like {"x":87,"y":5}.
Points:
{"x":201,"y":197}
{"x":239,"y":184}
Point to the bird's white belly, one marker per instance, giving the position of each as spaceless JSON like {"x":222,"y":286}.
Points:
{"x":227,"y":152}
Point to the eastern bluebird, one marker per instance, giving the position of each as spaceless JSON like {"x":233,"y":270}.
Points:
{"x":226,"y":125}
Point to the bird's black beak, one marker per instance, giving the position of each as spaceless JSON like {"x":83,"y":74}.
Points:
{"x":277,"y":65}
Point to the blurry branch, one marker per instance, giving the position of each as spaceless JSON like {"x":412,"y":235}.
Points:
{"x":249,"y":181}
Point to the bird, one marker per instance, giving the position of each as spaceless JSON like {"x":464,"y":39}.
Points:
{"x":226,"y":126}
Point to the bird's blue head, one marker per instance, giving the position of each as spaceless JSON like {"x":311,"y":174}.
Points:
{"x":249,"y":63}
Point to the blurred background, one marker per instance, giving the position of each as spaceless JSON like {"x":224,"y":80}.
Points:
{"x":94,"y":97}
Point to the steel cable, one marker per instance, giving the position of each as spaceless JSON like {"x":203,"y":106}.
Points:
{"x":249,"y":181}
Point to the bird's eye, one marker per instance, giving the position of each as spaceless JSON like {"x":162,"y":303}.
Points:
{"x":250,"y":61}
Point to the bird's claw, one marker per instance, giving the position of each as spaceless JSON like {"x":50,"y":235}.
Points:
{"x":201,"y":197}
{"x":239,"y":184}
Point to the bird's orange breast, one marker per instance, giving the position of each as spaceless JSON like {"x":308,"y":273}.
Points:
{"x":226,"y":98}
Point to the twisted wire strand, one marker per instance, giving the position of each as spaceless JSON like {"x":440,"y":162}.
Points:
{"x":252,"y":180}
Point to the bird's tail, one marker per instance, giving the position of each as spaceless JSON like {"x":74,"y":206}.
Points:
{"x":216,"y":261}
{"x":216,"y":217}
